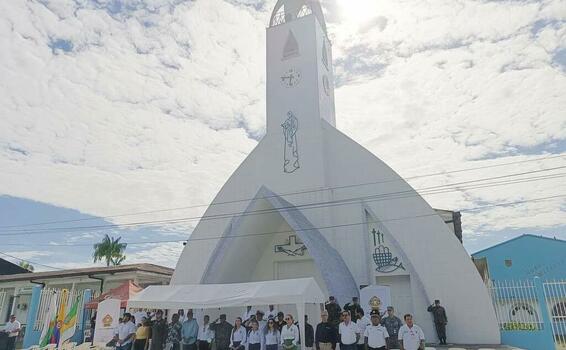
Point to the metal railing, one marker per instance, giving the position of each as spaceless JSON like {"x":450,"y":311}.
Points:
{"x":516,"y":305}
{"x":555,"y":295}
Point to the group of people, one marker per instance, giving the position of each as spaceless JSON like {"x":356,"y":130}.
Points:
{"x":379,"y":331}
{"x":249,"y":332}
{"x":347,"y":329}
{"x":356,"y":331}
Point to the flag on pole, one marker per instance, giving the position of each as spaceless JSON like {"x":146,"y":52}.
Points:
{"x":68,"y":326}
{"x":60,"y":317}
{"x":49,"y":323}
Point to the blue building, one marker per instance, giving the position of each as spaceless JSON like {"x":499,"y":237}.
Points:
{"x":526,"y":277}
{"x":525,"y":257}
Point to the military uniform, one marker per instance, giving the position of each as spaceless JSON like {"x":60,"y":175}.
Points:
{"x":222,"y":331}
{"x":392,"y":324}
{"x":334,"y":311}
{"x":159,"y":332}
{"x":440,"y":320}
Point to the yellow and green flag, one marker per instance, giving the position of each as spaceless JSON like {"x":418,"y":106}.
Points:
{"x":69,"y":323}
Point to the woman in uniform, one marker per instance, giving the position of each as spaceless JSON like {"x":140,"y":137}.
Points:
{"x":238,"y":337}
{"x":289,"y":334}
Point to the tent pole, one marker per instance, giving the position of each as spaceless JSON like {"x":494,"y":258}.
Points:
{"x":301,"y":320}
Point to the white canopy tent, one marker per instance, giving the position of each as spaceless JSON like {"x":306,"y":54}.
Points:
{"x":299,"y":291}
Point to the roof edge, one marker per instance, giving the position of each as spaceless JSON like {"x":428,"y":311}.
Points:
{"x":517,"y":238}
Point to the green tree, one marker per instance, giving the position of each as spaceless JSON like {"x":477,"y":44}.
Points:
{"x":110,"y":250}
{"x":26,"y":265}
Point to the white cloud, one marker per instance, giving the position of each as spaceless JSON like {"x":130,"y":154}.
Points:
{"x":114,"y":107}
{"x":165,"y":254}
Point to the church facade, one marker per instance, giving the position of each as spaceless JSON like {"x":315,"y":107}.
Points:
{"x":309,"y":201}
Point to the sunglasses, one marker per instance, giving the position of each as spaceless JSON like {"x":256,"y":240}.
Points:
{"x":287,"y":318}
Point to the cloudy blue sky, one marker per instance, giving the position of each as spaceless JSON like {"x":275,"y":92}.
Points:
{"x":111,"y":107}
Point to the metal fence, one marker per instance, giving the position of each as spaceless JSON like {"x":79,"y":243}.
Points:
{"x":46,"y":297}
{"x":516,"y":305}
{"x":555,"y":296}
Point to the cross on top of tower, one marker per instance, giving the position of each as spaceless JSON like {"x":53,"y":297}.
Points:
{"x":289,"y":10}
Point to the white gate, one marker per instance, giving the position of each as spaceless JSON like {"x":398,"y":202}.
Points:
{"x":555,"y":295}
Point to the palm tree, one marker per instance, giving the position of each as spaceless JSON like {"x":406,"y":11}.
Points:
{"x":110,"y":250}
{"x":26,"y":265}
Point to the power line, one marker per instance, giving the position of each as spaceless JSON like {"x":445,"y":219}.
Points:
{"x":383,"y":196}
{"x":314,"y":228}
{"x":307,"y":206}
{"x":288,"y":193}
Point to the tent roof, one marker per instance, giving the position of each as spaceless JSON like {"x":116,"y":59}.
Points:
{"x":205,"y":296}
{"x":123,"y":292}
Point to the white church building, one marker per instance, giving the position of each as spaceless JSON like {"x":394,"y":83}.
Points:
{"x":309,"y":201}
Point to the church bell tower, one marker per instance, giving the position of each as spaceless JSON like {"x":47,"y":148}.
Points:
{"x":300,"y":88}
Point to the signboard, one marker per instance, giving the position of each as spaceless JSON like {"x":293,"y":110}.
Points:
{"x":107,"y":317}
{"x":376,"y":297}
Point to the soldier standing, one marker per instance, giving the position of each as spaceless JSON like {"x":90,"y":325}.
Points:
{"x":440,"y":320}
{"x":354,"y":308}
{"x":334,"y":311}
{"x":222,"y":331}
{"x":392,"y":323}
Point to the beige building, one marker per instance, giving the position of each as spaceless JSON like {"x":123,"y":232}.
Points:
{"x":16,"y":289}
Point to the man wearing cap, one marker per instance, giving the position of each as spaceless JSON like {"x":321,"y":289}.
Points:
{"x":375,"y":335}
{"x":411,"y":336}
{"x":325,"y":335}
{"x":12,"y":329}
{"x":222,"y":331}
{"x":392,"y":323}
{"x":280,"y":321}
{"x":440,"y":320}
{"x":354,"y":308}
{"x":334,"y":311}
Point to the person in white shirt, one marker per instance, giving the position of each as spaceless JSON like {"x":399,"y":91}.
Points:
{"x":375,"y":335}
{"x":271,"y":312}
{"x":289,"y":334}
{"x":205,"y":334}
{"x":238,"y":336}
{"x":248,"y":314}
{"x":362,"y":323}
{"x":255,"y":337}
{"x":272,"y":335}
{"x":411,"y":336}
{"x":125,"y":333}
{"x":12,"y":329}
{"x":349,"y":332}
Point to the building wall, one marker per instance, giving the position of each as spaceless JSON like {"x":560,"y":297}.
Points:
{"x":526,"y":257}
